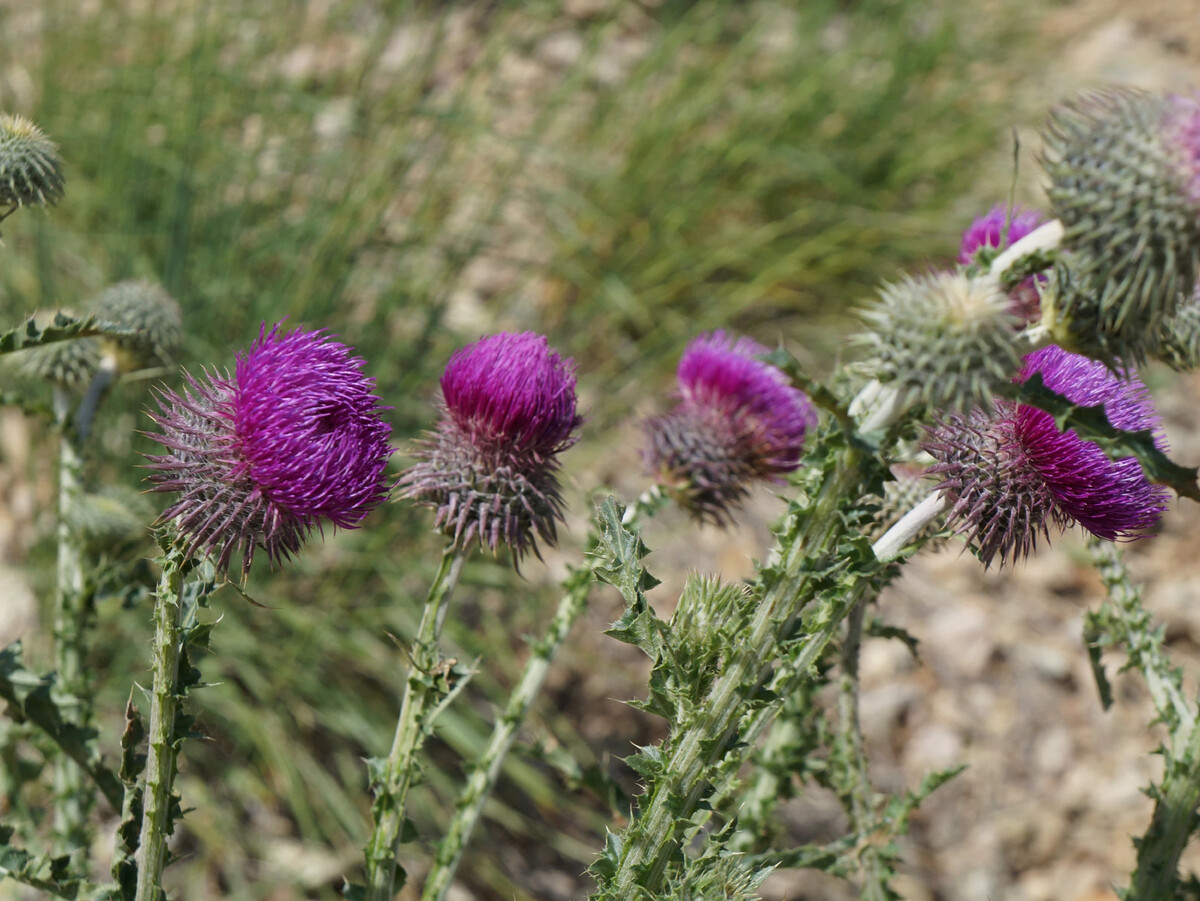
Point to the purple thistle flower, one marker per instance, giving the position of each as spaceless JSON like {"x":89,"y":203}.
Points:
{"x":1012,"y":474}
{"x":998,"y":230}
{"x":490,"y":468}
{"x":989,"y":230}
{"x":738,"y":419}
{"x":260,"y":459}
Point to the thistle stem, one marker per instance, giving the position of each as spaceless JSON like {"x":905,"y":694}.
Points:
{"x":653,"y":838}
{"x":420,"y":700}
{"x":486,"y":772}
{"x":72,"y":794}
{"x":1174,"y":819}
{"x":1044,"y":237}
{"x":163,"y":743}
{"x":909,"y":526}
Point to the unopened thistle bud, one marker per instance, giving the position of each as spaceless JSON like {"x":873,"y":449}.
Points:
{"x":490,"y":468}
{"x":738,"y":419}
{"x":149,"y":313}
{"x":999,"y":229}
{"x":1178,"y":342}
{"x":1125,"y":182}
{"x":1013,"y":474}
{"x":30,"y":168}
{"x":944,"y":340}
{"x":291,"y":441}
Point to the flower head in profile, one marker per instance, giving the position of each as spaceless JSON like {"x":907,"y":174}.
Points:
{"x":490,"y":468}
{"x":292,"y":440}
{"x":1013,"y":474}
{"x":738,"y":419}
{"x":1124,"y":168}
{"x":998,"y":230}
{"x":30,"y":168}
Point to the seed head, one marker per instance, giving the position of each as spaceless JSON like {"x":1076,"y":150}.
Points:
{"x":1012,"y":474}
{"x":30,"y":168}
{"x":292,"y":440}
{"x":1125,"y":181}
{"x":738,"y":419}
{"x":944,"y":339}
{"x":490,"y":468}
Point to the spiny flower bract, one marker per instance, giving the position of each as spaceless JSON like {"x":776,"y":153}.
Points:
{"x":1125,"y":182}
{"x":294,"y":439}
{"x":490,"y":468}
{"x":945,"y":340}
{"x":30,"y":168}
{"x":149,"y":313}
{"x":1013,"y":473}
{"x":738,"y":419}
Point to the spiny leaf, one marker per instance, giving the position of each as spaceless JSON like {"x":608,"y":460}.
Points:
{"x":1091,"y":424}
{"x":39,"y":700}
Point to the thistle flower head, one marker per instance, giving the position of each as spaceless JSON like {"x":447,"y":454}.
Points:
{"x":1178,"y":341}
{"x":997,"y":229}
{"x":490,"y":467}
{"x":292,"y":440}
{"x":1125,"y":181}
{"x":738,"y":419}
{"x":68,"y":364}
{"x":30,"y":168}
{"x":150,"y":313}
{"x":944,"y":340}
{"x":1012,"y":474}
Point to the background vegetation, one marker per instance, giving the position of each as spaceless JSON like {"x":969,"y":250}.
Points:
{"x":618,"y":175}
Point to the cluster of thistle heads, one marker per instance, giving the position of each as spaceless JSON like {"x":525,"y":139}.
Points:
{"x":294,"y":438}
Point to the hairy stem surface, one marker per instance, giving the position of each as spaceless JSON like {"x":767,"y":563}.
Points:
{"x":421,"y":695}
{"x":163,"y":744}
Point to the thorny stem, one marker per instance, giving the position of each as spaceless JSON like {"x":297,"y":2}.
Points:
{"x":163,"y":744}
{"x":909,"y":526}
{"x":652,"y":839}
{"x":1178,"y":797}
{"x":72,"y":794}
{"x":862,"y":803}
{"x":486,"y":772}
{"x":421,"y":695}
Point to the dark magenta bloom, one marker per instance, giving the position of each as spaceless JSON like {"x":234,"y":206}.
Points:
{"x":989,"y":230}
{"x":738,"y":419}
{"x":490,"y":468}
{"x":1012,"y":474}
{"x":998,"y":230}
{"x":293,"y":440}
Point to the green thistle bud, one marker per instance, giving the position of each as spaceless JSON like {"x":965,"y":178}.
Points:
{"x":150,"y":312}
{"x":30,"y":168}
{"x":1125,"y":182}
{"x":1178,"y":342}
{"x":944,"y":340}
{"x":111,"y":518}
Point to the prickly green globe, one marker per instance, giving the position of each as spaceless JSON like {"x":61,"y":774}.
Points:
{"x":944,"y":339}
{"x":30,"y":168}
{"x":150,"y":313}
{"x":1178,"y":342}
{"x":1125,"y":182}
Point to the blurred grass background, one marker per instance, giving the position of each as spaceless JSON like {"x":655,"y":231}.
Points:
{"x":618,"y":175}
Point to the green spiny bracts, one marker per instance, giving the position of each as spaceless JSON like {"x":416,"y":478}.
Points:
{"x":68,"y":364}
{"x":148,"y":311}
{"x":1125,"y":182}
{"x":30,"y":168}
{"x":945,"y":340}
{"x":1178,"y":343}
{"x":111,"y":517}
{"x":901,"y":494}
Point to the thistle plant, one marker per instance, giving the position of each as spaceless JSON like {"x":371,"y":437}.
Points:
{"x":994,"y":403}
{"x":490,"y":470}
{"x":262,"y":458}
